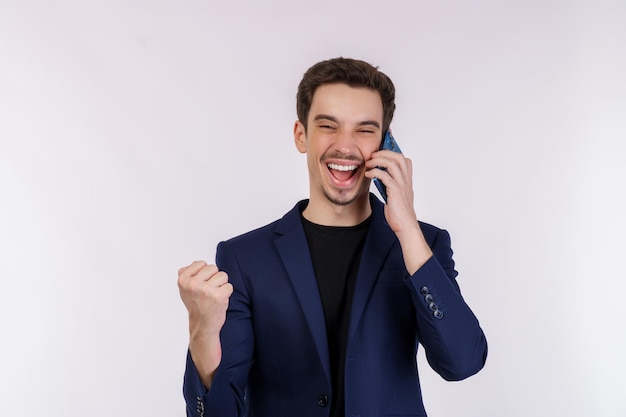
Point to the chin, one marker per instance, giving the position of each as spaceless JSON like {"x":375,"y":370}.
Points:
{"x":343,"y":198}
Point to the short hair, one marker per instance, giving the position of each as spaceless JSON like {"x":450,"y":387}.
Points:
{"x":352,"y":72}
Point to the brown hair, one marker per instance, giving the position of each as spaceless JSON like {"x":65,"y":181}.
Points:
{"x":353,"y":72}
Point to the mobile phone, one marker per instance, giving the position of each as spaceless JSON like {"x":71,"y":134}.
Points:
{"x":390,"y":144}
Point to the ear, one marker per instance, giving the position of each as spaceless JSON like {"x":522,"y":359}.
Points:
{"x":299,"y":136}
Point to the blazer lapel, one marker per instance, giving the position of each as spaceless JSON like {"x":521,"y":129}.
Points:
{"x":378,"y":243}
{"x":294,"y":252}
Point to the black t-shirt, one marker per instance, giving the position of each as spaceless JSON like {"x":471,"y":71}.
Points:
{"x":336,"y":254}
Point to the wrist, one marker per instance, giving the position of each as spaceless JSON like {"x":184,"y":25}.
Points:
{"x":415,"y":249}
{"x":206,"y":354}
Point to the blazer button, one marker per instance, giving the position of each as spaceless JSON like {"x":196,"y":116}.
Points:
{"x":322,"y":401}
{"x":438,"y":314}
{"x":433,"y":306}
{"x":200,"y":406}
{"x":429,"y":298}
{"x":424,"y":290}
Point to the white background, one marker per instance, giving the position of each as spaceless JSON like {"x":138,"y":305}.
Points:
{"x":135,"y":135}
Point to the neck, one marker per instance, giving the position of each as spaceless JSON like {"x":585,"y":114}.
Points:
{"x":323,"y":212}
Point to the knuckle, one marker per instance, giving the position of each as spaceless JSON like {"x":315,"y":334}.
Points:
{"x":229,"y":289}
{"x":197,"y":287}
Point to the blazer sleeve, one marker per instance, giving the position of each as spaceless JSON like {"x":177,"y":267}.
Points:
{"x":226,"y":398}
{"x":450,"y":333}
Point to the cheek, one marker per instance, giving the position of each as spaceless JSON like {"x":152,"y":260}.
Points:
{"x":368,"y":150}
{"x":313,"y":163}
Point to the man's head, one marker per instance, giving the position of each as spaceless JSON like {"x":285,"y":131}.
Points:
{"x":344,"y":108}
{"x":352,"y":72}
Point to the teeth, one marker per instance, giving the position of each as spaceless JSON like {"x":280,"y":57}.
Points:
{"x":342,"y":167}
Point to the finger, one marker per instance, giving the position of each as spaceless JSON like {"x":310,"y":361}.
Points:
{"x":378,"y":172}
{"x":218,"y":279}
{"x":385,"y":159}
{"x":197,"y":272}
{"x":397,"y":156}
{"x":226,"y":290}
{"x":192,"y":268}
{"x":386,"y":168}
{"x":217,"y":294}
{"x":201,"y":281}
{"x":400,"y":169}
{"x":185,"y":273}
{"x":206,"y":281}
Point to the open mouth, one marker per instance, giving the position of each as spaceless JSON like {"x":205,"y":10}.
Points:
{"x":342,"y":172}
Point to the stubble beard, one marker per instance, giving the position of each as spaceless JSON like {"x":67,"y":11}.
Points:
{"x":343,"y":197}
{"x":338,"y":201}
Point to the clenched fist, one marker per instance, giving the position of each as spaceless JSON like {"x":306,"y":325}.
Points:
{"x":205,"y":290}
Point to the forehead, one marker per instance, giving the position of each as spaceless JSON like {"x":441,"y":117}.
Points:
{"x":347,"y":103}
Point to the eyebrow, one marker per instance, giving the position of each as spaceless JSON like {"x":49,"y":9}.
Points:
{"x":325,"y":117}
{"x":369,"y":123}
{"x":334,"y":119}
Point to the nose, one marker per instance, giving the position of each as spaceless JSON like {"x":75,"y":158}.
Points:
{"x":346,"y":142}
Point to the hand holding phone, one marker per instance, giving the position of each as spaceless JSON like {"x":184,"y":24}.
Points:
{"x":390,"y":144}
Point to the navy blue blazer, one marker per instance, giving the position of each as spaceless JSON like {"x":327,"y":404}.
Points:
{"x":275,"y":360}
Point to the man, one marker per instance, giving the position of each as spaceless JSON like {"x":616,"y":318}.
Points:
{"x":320,"y":313}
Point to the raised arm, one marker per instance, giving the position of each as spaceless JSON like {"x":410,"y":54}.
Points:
{"x":205,"y":291}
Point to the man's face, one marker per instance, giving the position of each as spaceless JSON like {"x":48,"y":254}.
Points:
{"x":344,"y":128}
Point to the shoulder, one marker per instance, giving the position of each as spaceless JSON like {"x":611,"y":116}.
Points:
{"x":267,"y":233}
{"x":252,"y":237}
